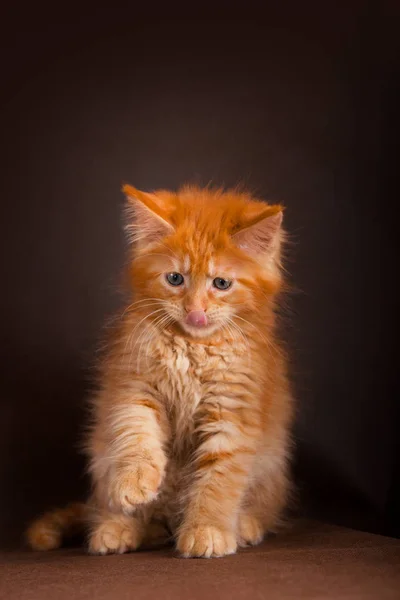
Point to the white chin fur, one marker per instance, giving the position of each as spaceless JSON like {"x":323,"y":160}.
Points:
{"x":199,"y":331}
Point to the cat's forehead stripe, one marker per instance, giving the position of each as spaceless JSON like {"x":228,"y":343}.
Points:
{"x":186,"y":263}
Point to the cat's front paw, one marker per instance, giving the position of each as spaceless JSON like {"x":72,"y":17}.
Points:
{"x":134,"y":486}
{"x":206,"y":541}
{"x":113,"y":537}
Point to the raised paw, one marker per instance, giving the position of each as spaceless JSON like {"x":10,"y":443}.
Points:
{"x":206,"y":541}
{"x":115,"y":537}
{"x":133,"y":487}
{"x":250,"y":530}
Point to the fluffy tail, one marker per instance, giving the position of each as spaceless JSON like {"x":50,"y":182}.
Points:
{"x":47,"y":532}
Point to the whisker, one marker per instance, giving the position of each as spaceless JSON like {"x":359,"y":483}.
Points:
{"x":150,"y":335}
{"x":137,"y":325}
{"x":154,"y":312}
{"x":146,"y":306}
{"x":141,"y":337}
{"x":144,"y":336}
{"x":244,"y":337}
{"x":144,"y":300}
{"x":148,"y":338}
{"x":162,"y":322}
{"x":251,"y":324}
{"x":230,"y":331}
{"x":139,"y":301}
{"x":271,"y":347}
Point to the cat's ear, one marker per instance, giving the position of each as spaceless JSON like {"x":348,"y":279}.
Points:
{"x":259,"y":231}
{"x":147,"y":219}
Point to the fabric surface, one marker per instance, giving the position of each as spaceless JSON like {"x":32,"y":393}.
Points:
{"x":311,"y":560}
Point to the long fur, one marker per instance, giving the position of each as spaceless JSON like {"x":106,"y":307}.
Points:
{"x":191,"y":427}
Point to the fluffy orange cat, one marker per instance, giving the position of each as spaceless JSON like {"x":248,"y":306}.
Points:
{"x":191,"y":421}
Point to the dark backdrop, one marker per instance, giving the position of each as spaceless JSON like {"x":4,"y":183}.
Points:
{"x":301,"y":105}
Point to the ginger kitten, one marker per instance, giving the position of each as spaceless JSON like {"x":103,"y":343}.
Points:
{"x":191,"y":421}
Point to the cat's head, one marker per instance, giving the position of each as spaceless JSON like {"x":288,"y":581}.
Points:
{"x":203,"y":259}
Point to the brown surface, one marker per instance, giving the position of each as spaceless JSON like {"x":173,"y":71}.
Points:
{"x":311,"y":561}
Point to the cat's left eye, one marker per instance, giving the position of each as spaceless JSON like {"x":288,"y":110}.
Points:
{"x":222,"y":284}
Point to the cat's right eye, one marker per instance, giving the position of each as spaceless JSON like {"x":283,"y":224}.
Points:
{"x":174,"y":278}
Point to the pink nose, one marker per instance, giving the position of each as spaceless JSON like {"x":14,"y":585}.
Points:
{"x":197,"y":318}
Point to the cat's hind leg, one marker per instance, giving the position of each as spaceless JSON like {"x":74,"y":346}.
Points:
{"x":264,"y":502}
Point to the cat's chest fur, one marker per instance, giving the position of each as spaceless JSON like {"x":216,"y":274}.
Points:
{"x":184,"y":371}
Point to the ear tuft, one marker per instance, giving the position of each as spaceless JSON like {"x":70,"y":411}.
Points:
{"x":146,"y":220}
{"x":260,"y":234}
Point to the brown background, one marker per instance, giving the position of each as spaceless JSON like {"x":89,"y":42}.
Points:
{"x":300,"y":105}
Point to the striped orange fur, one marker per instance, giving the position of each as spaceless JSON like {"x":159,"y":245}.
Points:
{"x":191,"y":421}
